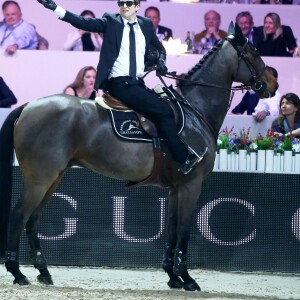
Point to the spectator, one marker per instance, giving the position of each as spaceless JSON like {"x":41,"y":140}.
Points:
{"x":80,"y":40}
{"x":16,"y":33}
{"x":163,"y":33}
{"x":276,"y":38}
{"x":267,"y":106}
{"x":288,"y":121}
{"x":245,"y":20}
{"x":83,"y":85}
{"x":206,"y":39}
{"x":7,"y":97}
{"x":247,"y":104}
{"x":43,"y":44}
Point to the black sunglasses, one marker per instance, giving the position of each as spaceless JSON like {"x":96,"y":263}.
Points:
{"x":128,"y":3}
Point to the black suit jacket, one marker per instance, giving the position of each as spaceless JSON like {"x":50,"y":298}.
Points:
{"x":167,"y":32}
{"x":7,"y":97}
{"x":111,"y":26}
{"x":248,"y":104}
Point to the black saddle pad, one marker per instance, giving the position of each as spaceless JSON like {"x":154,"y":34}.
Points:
{"x":127,"y":125}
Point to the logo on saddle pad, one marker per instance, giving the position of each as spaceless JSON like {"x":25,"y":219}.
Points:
{"x":131,"y":127}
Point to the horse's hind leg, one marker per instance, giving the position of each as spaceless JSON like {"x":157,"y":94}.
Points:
{"x":36,"y":254}
{"x":33,"y":196}
{"x":29,"y":201}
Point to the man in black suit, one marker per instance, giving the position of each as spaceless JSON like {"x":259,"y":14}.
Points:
{"x":163,"y":33}
{"x":7,"y":97}
{"x":245,"y":20}
{"x":126,"y":39}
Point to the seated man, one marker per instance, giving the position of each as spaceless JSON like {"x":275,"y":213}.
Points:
{"x":247,"y":104}
{"x":7,"y":97}
{"x":259,"y":108}
{"x":163,"y":33}
{"x":245,"y":20}
{"x":15,"y":33}
{"x":267,"y":106}
{"x":206,"y":39}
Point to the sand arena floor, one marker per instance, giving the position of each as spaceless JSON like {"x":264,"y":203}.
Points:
{"x":147,"y":284}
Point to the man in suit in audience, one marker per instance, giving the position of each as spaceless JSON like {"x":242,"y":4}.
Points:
{"x":259,"y":108}
{"x":162,"y":32}
{"x":245,"y":20}
{"x":7,"y":97}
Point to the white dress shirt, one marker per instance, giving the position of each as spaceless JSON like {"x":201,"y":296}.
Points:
{"x":269,"y":105}
{"x":121,"y":65}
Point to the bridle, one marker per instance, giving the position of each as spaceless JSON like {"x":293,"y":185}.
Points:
{"x":253,"y":83}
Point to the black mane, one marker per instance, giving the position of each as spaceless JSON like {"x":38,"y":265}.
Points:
{"x":192,"y":71}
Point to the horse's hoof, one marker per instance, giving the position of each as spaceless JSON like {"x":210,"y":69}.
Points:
{"x":45,"y":279}
{"x":175,"y":283}
{"x":22,"y":281}
{"x":191,"y":286}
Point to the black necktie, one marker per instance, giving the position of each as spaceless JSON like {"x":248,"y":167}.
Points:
{"x":132,"y":56}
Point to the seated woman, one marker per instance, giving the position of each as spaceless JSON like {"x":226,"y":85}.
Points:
{"x":83,"y":85}
{"x":275,"y":39}
{"x":288,"y":121}
{"x":80,"y":40}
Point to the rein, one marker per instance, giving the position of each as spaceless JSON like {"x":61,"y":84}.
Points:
{"x":253,"y":82}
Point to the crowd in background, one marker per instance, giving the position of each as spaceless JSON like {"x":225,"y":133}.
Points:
{"x":271,"y":39}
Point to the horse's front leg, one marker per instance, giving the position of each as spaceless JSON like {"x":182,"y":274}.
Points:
{"x":187,"y":200}
{"x":175,"y":281}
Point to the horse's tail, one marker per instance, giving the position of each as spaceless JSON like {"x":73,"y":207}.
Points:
{"x":6,"y":171}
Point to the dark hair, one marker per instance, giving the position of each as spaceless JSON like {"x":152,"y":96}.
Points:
{"x":153,"y":8}
{"x":87,"y":12}
{"x":6,"y":3}
{"x":273,"y":71}
{"x":244,"y":14}
{"x":291,"y":98}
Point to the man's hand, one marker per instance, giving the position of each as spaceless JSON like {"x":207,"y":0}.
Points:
{"x":161,"y":68}
{"x":50,"y":4}
{"x":11,"y":49}
{"x":260,"y":116}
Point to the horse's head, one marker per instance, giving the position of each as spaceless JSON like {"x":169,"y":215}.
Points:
{"x":251,"y":70}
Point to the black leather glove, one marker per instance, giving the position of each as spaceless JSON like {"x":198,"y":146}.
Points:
{"x":161,"y":68}
{"x":50,"y":4}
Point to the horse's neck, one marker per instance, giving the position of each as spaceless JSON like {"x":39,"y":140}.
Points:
{"x":212,"y":102}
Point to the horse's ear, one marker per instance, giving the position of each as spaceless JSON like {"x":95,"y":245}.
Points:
{"x":231,"y":30}
{"x":239,"y":35}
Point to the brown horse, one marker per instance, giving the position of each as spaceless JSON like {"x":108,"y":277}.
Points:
{"x":56,"y":132}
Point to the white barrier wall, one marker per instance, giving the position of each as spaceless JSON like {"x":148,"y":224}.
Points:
{"x":35,"y":74}
{"x":181,"y":17}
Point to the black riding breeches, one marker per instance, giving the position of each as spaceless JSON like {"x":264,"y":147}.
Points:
{"x":142,"y":100}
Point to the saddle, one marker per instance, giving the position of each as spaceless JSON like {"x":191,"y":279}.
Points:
{"x":111,"y":103}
